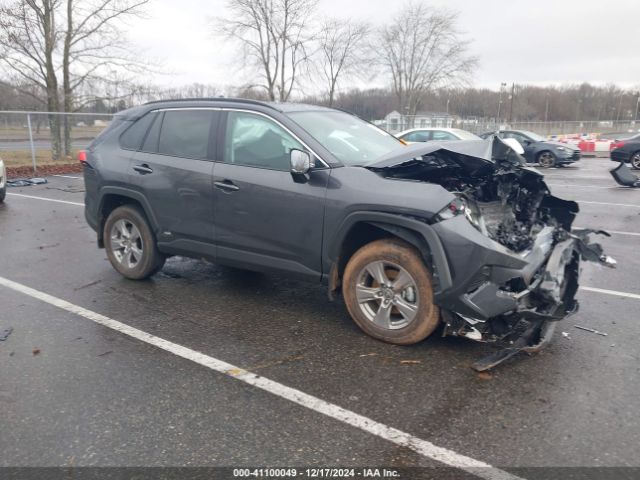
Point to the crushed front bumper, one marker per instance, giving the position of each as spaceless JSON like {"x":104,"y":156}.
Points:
{"x":507,"y":298}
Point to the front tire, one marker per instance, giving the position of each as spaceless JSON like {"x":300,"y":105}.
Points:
{"x":388,"y":292}
{"x":635,"y":160}
{"x":130,"y":243}
{"x":546,"y":159}
{"x":3,"y":193}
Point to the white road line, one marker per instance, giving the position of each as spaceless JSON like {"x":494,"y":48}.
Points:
{"x":612,"y":187}
{"x":418,"y":445}
{"x":637,"y":205}
{"x":611,"y":292}
{"x":46,"y":199}
{"x":67,"y":176}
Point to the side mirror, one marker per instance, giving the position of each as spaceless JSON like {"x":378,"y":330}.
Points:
{"x":300,"y":162}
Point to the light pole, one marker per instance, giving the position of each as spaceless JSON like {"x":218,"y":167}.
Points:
{"x":637,"y":107}
{"x":546,"y":109}
{"x":448,"y":99}
{"x":502,"y":85}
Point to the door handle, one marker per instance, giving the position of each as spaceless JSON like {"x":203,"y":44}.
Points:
{"x":226,"y":185}
{"x":143,"y":169}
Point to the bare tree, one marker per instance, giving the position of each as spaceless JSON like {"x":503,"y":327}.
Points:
{"x":80,"y":39}
{"x":340,"y":51}
{"x":28,"y":42}
{"x":422,"y":49}
{"x":274,"y":38}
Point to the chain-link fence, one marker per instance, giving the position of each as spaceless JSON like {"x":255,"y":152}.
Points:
{"x":475,"y":125}
{"x":42,"y":138}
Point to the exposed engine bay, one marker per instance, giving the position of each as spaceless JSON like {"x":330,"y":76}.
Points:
{"x":513,"y":289}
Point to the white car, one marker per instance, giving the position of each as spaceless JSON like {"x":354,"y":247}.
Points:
{"x":415,"y":135}
{"x":3,"y":181}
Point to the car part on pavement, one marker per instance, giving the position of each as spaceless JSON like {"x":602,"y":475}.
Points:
{"x":624,"y":176}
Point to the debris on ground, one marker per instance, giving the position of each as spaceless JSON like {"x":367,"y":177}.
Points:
{"x":566,"y":335}
{"x":105,"y":353}
{"x":410,"y":362}
{"x":484,"y":376}
{"x":35,"y":351}
{"x":368,"y":354}
{"x":4,"y":333}
{"x":587,"y":329}
{"x":26,"y":182}
{"x":42,"y":247}
{"x":24,"y":171}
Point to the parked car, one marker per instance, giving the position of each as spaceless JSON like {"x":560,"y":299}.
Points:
{"x":3,"y":181}
{"x":537,"y":149}
{"x":627,"y":150}
{"x":321,"y":195}
{"x":414,"y":135}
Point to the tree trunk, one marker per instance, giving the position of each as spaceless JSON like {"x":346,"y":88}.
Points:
{"x":66,"y":80}
{"x":53,"y":103}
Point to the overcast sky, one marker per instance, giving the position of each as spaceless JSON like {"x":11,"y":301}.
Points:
{"x":522,"y":41}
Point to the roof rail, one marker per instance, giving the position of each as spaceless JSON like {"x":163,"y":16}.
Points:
{"x":218,"y":99}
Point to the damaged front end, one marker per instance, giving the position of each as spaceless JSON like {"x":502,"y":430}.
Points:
{"x":512,"y":256}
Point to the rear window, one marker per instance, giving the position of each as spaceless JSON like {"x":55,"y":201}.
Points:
{"x":185,"y":133}
{"x":133,"y":137}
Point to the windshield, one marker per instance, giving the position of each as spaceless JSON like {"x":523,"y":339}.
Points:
{"x":533,"y":136}
{"x":349,"y":139}
{"x":464,"y":135}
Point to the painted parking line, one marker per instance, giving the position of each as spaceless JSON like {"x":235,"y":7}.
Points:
{"x":636,"y":205}
{"x":573,"y":185}
{"x":611,"y":292}
{"x":67,"y":176}
{"x":46,"y":199}
{"x":393,"y":435}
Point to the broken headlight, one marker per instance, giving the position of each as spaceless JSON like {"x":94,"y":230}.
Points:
{"x":462,"y":206}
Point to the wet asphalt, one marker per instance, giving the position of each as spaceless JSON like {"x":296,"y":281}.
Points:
{"x":76,"y":393}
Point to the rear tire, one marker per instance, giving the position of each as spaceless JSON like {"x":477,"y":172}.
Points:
{"x":546,"y":159}
{"x":388,"y":292}
{"x":130,"y":243}
{"x":3,"y":193}
{"x":635,"y":160}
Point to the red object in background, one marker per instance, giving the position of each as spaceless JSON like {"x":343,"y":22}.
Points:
{"x":587,"y":146}
{"x":82,"y":156}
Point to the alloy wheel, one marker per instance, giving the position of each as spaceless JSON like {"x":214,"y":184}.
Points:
{"x":126,"y":243}
{"x":546,"y":159}
{"x":635,"y":161}
{"x":387,"y":295}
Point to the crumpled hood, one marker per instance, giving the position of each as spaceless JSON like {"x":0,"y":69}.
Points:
{"x":473,"y":156}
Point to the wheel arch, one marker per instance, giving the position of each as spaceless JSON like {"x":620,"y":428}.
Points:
{"x":114,"y":197}
{"x":361,"y":228}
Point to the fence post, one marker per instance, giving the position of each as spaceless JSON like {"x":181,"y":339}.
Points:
{"x":33,"y":150}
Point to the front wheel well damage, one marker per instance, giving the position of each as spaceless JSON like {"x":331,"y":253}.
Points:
{"x":365,"y":232}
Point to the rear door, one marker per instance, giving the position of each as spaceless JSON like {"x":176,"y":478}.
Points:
{"x":266,"y":218}
{"x":174,"y":172}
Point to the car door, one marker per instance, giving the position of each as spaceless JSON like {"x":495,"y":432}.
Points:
{"x":174,"y":173}
{"x":267,"y":218}
{"x":442,"y":136}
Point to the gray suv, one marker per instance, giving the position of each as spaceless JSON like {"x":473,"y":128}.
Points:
{"x":458,"y":235}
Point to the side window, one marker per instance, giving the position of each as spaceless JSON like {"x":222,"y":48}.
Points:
{"x":185,"y":133}
{"x":132,"y":138}
{"x":256,"y":141}
{"x":440,"y":135}
{"x":416,"y":137}
{"x":150,"y":144}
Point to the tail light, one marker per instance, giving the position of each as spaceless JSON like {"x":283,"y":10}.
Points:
{"x":82,"y":156}
{"x":617,"y":144}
